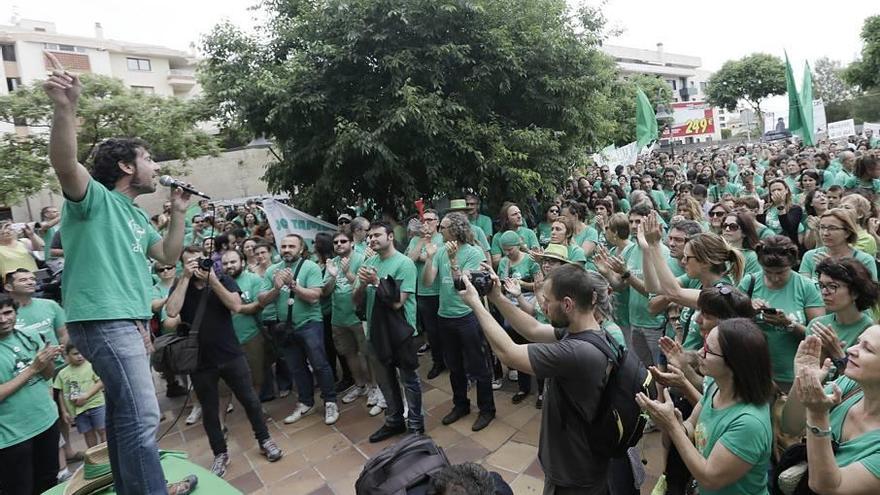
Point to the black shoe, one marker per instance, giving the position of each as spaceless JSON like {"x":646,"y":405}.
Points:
{"x":343,"y":385}
{"x":519,"y":397}
{"x":267,"y":399}
{"x":435,"y":371}
{"x":483,"y":421}
{"x":175,"y":389}
{"x":540,"y":402}
{"x":387,"y":432}
{"x":455,"y":415}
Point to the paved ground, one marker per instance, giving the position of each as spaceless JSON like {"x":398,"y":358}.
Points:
{"x":326,"y":460}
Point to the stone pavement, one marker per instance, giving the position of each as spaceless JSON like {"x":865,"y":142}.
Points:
{"x":321,"y":459}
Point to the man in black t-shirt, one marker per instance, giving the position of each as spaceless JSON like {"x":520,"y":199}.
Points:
{"x":576,"y":373}
{"x":220,"y":354}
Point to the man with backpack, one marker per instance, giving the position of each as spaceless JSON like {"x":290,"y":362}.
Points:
{"x":578,"y":360}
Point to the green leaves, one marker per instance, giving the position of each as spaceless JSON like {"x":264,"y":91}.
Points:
{"x":751,"y":78}
{"x":399,"y":99}
{"x":865,"y":72}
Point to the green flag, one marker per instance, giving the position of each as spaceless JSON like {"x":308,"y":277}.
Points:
{"x":807,"y":106}
{"x":795,"y":110}
{"x":646,"y":121}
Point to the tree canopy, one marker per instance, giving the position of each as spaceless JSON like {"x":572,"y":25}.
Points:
{"x":107,"y":108}
{"x":400,"y":99}
{"x":750,"y":79}
{"x":828,"y":83}
{"x":865,"y":72}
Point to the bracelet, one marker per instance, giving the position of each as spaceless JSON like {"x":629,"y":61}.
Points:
{"x":819,"y":432}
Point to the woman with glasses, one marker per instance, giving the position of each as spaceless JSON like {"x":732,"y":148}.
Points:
{"x":841,"y":418}
{"x":848,"y":291}
{"x":739,"y":230}
{"x":542,"y":231}
{"x":730,"y":427}
{"x":837,"y":231}
{"x":786,"y":302}
{"x":716,"y":216}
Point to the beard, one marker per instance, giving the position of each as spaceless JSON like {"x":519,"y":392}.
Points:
{"x":235,"y":273}
{"x":559,"y":320}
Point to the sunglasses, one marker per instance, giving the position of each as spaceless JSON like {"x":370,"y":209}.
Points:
{"x":716,"y":214}
{"x":343,"y":222}
{"x":164,"y":269}
{"x":733,"y":227}
{"x":341,"y":241}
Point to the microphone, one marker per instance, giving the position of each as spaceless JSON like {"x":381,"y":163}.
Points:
{"x":168,"y":181}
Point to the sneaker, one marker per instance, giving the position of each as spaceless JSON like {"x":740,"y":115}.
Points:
{"x":513,"y":375}
{"x":371,"y":395}
{"x":331,"y":413}
{"x":221,"y":461}
{"x":271,"y":450}
{"x":195,"y":415}
{"x":424,"y":349}
{"x":64,"y":475}
{"x":283,"y":393}
{"x":184,"y":486}
{"x":298,"y":413}
{"x":380,"y":404}
{"x":230,"y":407}
{"x":497,"y":384}
{"x":539,"y":403}
{"x":354,"y":394}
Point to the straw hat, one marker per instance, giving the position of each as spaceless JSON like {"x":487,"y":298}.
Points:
{"x":556,"y":252}
{"x":94,"y":475}
{"x":458,"y":205}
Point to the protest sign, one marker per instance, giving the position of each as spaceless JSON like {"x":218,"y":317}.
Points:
{"x":285,"y":219}
{"x":842,"y":129}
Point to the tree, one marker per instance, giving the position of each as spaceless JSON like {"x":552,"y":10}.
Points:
{"x":107,"y":108}
{"x":624,"y":97}
{"x":400,"y":99}
{"x":750,"y":79}
{"x":828,"y":83}
{"x":865,"y":72}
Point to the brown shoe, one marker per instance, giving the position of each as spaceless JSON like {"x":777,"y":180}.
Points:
{"x":184,"y":486}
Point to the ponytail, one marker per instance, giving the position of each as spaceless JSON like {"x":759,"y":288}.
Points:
{"x":737,"y":264}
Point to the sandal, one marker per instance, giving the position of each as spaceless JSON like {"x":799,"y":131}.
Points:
{"x":184,"y":486}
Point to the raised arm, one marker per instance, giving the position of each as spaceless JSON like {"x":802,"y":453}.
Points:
{"x":64,"y":89}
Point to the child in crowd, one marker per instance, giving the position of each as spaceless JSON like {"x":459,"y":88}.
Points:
{"x":82,"y":397}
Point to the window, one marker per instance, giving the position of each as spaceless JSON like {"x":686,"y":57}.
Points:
{"x":144,"y":89}
{"x":703,"y":86}
{"x":672,"y":82}
{"x":8,"y":52}
{"x":12,"y":83}
{"x":64,"y":48}
{"x":142,"y":64}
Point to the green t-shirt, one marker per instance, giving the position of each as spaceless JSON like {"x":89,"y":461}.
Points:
{"x":524,"y":270}
{"x":106,"y":269}
{"x":621,"y":300}
{"x":421,"y":288}
{"x":246,"y":326}
{"x":847,"y":333}
{"x":542,"y":231}
{"x":403,"y":270}
{"x":468,"y":258}
{"x":661,"y":200}
{"x":808,"y":264}
{"x":483,"y":222}
{"x":309,"y":277}
{"x":798,"y":294}
{"x":864,"y":448}
{"x":638,"y":303}
{"x":588,"y":234}
{"x":30,"y":410}
{"x":614,"y":331}
{"x":743,"y":429}
{"x":716,"y":192}
{"x":74,"y":381}
{"x":481,"y":238}
{"x":42,"y":318}
{"x":752,"y":264}
{"x":576,"y":254}
{"x":526,"y":235}
{"x":344,"y":314}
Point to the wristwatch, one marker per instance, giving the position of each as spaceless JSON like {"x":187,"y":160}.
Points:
{"x":625,"y":275}
{"x":818,"y":432}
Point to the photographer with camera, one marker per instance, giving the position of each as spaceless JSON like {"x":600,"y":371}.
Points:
{"x":464,"y":347}
{"x":220,"y":354}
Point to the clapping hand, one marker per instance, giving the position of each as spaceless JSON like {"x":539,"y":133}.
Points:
{"x":46,"y":355}
{"x":662,"y":412}
{"x":830,"y":341}
{"x":672,"y":377}
{"x":650,"y":228}
{"x":809,"y":374}
{"x":511,"y":285}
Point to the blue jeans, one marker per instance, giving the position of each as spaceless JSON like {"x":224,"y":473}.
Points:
{"x":116,"y":350}
{"x":307,"y":341}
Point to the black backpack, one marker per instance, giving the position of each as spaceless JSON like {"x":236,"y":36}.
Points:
{"x":619,"y":422}
{"x":406,"y":464}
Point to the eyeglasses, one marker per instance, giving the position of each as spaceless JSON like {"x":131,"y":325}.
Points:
{"x":831,"y":288}
{"x":553,"y":210}
{"x":831,"y":228}
{"x":343,"y":221}
{"x":430,"y":220}
{"x":717,"y":214}
{"x":733,"y":227}
{"x":707,"y":351}
{"x":164,"y":269}
{"x":472,"y":204}
{"x":341,"y":241}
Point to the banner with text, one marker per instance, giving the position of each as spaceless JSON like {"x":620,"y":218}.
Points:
{"x":819,"y":120}
{"x":871,"y":126}
{"x":841,"y":129}
{"x":691,"y":118}
{"x":285,"y":220}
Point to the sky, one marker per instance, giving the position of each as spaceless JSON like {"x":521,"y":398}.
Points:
{"x":712,"y":30}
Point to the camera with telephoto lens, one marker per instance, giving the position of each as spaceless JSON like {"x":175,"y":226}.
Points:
{"x":481,"y":281}
{"x":205,"y":264}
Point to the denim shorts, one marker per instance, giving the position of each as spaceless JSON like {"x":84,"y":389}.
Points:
{"x":93,"y":419}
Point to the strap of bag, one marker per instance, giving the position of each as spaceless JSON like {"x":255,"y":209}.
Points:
{"x":288,"y":322}
{"x":751,"y":285}
{"x":200,"y":312}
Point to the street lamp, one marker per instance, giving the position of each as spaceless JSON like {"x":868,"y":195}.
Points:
{"x":666,"y":118}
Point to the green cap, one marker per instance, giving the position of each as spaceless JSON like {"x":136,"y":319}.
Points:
{"x":510,"y":238}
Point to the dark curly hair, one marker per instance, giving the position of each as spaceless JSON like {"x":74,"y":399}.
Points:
{"x":855,"y":276}
{"x":108,"y":154}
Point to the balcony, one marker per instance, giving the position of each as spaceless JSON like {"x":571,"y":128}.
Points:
{"x":182,"y":79}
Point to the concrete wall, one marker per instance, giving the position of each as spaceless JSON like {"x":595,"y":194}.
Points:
{"x":231,"y":175}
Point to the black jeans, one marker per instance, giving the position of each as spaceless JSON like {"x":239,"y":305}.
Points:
{"x":30,"y":467}
{"x":428,"y":306}
{"x":465,"y":354}
{"x":237,"y":376}
{"x":332,"y":355}
{"x":524,"y":380}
